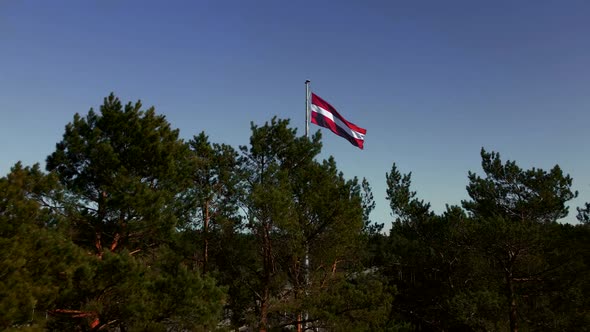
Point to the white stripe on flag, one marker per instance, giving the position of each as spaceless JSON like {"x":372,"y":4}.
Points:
{"x":337,"y":121}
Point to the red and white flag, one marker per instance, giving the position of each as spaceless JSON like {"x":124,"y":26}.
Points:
{"x":324,"y":115}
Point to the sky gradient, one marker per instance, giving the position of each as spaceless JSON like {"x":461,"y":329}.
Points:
{"x":432,"y":81}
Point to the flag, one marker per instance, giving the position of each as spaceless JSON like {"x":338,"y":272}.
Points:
{"x":324,"y":115}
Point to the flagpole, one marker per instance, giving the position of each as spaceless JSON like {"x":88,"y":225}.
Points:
{"x":306,"y":263}
{"x":307,"y":83}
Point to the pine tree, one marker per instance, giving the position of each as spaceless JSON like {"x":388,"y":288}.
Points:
{"x":424,"y":257}
{"x":516,"y":211}
{"x":212,"y":196}
{"x":37,"y":260}
{"x":584,"y":214}
{"x":123,"y":170}
{"x":297,"y":207}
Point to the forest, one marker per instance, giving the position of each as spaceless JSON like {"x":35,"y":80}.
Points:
{"x":127,"y":227}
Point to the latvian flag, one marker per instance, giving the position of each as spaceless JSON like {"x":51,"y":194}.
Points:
{"x":323,"y":114}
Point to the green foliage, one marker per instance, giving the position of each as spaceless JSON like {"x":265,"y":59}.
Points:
{"x":476,"y":309}
{"x":122,"y":169}
{"x":122,"y":291}
{"x":134,"y":229}
{"x":507,"y":191}
{"x":584,"y":214}
{"x":353,"y":302}
{"x":296,"y":205}
{"x":368,"y":204}
{"x":403,"y":202}
{"x":36,"y":260}
{"x":507,"y":264}
{"x":211,"y":199}
{"x":517,"y":211}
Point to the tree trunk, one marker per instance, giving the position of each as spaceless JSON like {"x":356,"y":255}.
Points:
{"x":115,"y":242}
{"x":268,"y":269}
{"x":512,"y":302}
{"x":98,"y":227}
{"x":262,"y":325}
{"x":206,"y":238}
{"x":98,"y":244}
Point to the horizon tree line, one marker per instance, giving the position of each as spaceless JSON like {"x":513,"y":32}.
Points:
{"x":131,"y":228}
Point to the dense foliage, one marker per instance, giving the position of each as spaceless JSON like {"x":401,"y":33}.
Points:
{"x":134,"y":229}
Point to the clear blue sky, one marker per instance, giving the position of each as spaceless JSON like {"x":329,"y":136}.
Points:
{"x":432,"y":81}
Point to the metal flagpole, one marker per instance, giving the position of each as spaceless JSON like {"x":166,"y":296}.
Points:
{"x":306,"y":263}
{"x":307,"y":83}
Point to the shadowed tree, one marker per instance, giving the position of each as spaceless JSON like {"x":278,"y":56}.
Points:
{"x":516,"y":209}
{"x":213,"y":193}
{"x":515,"y":194}
{"x":36,"y":260}
{"x":584,"y":214}
{"x":424,"y":257}
{"x":297,"y":206}
{"x":123,"y":170}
